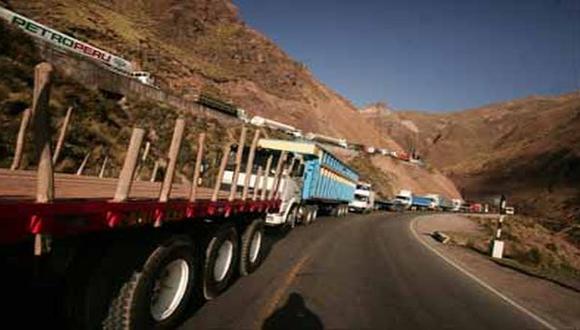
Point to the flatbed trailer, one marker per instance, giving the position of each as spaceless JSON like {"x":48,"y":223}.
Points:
{"x":124,"y":253}
{"x":88,"y":201}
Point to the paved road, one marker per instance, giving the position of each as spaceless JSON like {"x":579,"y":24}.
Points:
{"x":359,"y":272}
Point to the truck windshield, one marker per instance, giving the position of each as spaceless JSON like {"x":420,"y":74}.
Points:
{"x":404,"y":198}
{"x":361,"y":198}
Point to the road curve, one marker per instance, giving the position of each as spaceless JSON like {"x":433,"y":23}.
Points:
{"x":359,"y":272}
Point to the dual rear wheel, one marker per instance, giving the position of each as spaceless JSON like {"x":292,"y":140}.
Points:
{"x":339,"y":211}
{"x":155,"y":293}
{"x":309,"y":214}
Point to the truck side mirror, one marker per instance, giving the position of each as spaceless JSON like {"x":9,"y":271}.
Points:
{"x":298,"y":171}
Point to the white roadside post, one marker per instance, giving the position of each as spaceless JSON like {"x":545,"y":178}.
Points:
{"x":498,"y":244}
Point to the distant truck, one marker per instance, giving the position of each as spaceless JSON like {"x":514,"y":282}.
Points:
{"x":414,"y":202}
{"x":340,"y":142}
{"x":475,"y":208}
{"x":441,"y":203}
{"x":457,"y":205}
{"x":404,"y":198}
{"x":364,"y":198}
{"x":321,"y":183}
{"x":422,"y":203}
{"x":144,"y":77}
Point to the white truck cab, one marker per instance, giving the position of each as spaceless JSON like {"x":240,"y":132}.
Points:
{"x":405,"y":197}
{"x":144,"y":77}
{"x":364,"y":198}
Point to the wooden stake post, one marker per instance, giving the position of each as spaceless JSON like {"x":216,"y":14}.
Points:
{"x":41,"y":124}
{"x":250,"y":164}
{"x":62,"y":135}
{"x":155,"y":170}
{"x":223,"y":163}
{"x":172,"y":162}
{"x":81,"y":168}
{"x":126,"y":177}
{"x":259,"y":178}
{"x":265,"y":178}
{"x":143,"y":159}
{"x":103,"y":167}
{"x":197,"y":169}
{"x":41,"y":97}
{"x":236,"y":173}
{"x":20,"y":140}
{"x":278,"y":174}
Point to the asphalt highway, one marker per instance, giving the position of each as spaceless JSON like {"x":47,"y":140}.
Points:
{"x":357,"y":272}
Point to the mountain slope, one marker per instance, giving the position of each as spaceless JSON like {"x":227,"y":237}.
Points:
{"x":204,"y":45}
{"x":528,"y":149}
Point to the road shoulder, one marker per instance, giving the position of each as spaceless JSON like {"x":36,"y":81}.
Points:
{"x":547,"y":302}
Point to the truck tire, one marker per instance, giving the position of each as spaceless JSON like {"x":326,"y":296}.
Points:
{"x":335,"y":211}
{"x":251,"y":249}
{"x":292,"y":219}
{"x":314,"y":213}
{"x":221,"y":256}
{"x":306,"y":215}
{"x":156,"y":295}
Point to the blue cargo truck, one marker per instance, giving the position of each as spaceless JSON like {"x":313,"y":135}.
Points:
{"x":314,"y":182}
{"x":422,"y":203}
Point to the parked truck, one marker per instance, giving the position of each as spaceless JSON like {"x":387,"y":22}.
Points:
{"x":404,"y":198}
{"x":441,"y":203}
{"x":422,"y":203}
{"x":364,"y":198}
{"x":340,"y":142}
{"x":318,"y":183}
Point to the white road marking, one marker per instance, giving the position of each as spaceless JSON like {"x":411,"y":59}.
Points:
{"x":479,"y":281}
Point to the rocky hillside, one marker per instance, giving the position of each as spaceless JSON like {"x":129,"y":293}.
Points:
{"x":204,"y":45}
{"x":191,"y":46}
{"x":528,"y":149}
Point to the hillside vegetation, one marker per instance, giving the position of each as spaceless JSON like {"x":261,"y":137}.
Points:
{"x":99,"y":125}
{"x":204,"y":45}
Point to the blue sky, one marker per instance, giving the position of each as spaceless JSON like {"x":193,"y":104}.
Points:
{"x":435,"y":55}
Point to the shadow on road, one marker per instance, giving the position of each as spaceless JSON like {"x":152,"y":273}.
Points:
{"x":293,"y":315}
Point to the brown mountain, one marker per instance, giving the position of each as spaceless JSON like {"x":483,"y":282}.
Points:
{"x":528,"y":149}
{"x":191,"y":46}
{"x":204,"y":45}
